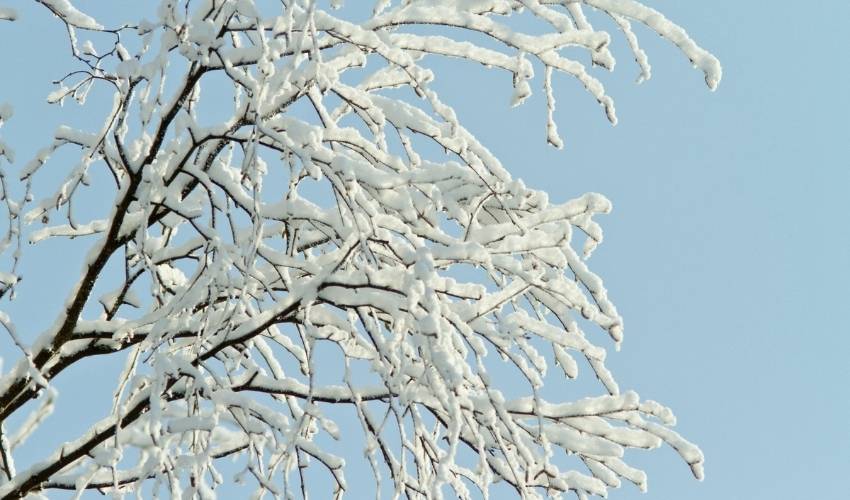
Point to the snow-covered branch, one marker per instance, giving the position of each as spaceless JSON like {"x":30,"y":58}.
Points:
{"x":317,"y":217}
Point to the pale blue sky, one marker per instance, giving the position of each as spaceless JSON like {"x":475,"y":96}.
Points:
{"x":728,"y":251}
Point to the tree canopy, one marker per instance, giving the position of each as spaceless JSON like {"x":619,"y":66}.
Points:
{"x":339,"y":202}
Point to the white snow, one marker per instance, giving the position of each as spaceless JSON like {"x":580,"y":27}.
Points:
{"x":68,"y":13}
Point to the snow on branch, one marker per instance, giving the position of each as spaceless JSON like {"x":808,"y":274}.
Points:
{"x":8,"y":14}
{"x":64,"y":10}
{"x":338,"y":206}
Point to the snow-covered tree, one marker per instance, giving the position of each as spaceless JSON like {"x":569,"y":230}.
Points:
{"x":319,"y":214}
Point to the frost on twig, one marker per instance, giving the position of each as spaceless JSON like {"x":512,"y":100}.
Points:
{"x":317,"y":217}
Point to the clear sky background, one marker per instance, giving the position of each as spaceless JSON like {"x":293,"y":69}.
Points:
{"x":728,"y":251}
